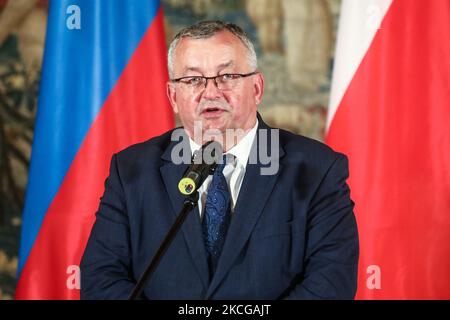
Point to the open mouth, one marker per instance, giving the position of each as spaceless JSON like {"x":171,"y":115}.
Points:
{"x":212,"y":111}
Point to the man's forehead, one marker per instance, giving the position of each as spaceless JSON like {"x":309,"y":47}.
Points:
{"x":223,"y":42}
{"x":199,"y":68}
{"x":222,"y":36}
{"x":222,"y":50}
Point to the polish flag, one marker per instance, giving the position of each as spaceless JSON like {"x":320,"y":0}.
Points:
{"x":390,"y":113}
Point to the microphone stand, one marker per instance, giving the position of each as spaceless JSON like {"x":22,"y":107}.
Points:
{"x":189,"y":203}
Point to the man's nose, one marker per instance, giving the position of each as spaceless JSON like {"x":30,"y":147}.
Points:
{"x":211,"y":90}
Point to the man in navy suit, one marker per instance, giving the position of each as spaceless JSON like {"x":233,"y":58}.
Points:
{"x":287,"y":232}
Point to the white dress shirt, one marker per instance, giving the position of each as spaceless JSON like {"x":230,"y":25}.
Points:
{"x":234,"y":172}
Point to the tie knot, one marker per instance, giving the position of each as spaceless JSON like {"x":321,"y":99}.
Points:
{"x":227,"y":158}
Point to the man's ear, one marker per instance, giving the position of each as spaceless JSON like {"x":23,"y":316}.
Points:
{"x":259,"y":87}
{"x":172,"y":95}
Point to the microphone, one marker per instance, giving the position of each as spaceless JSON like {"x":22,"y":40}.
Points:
{"x":204,"y":161}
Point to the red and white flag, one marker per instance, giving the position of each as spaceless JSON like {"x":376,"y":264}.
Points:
{"x":390,"y":113}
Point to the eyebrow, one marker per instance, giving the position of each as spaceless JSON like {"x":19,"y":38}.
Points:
{"x":220,"y":67}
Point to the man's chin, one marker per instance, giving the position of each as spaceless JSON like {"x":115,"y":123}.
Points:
{"x":215,"y":124}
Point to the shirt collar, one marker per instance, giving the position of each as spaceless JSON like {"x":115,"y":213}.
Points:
{"x":241,"y":150}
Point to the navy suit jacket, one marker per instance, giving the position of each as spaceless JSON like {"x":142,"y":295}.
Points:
{"x":292,"y":235}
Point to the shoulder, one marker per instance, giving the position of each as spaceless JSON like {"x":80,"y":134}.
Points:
{"x":299,"y":148}
{"x":312,"y":161}
{"x":150,"y":149}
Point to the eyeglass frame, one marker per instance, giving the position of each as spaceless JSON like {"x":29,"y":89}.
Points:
{"x":240,"y":76}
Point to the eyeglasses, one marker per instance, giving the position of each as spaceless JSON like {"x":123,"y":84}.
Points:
{"x":227,"y":81}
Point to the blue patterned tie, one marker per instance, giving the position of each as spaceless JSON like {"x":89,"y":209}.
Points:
{"x":217,"y":216}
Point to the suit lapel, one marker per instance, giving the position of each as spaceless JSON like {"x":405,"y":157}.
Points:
{"x":253,"y":195}
{"x":191,"y":228}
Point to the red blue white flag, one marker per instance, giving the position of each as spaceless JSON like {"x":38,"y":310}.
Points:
{"x":102,"y":89}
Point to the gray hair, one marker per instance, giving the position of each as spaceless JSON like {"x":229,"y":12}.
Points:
{"x":206,"y":29}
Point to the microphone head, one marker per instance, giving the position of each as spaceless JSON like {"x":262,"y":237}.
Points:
{"x":211,"y":153}
{"x":204,"y":161}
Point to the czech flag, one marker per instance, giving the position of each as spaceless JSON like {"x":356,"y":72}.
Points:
{"x":390,"y":113}
{"x":102,"y":89}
